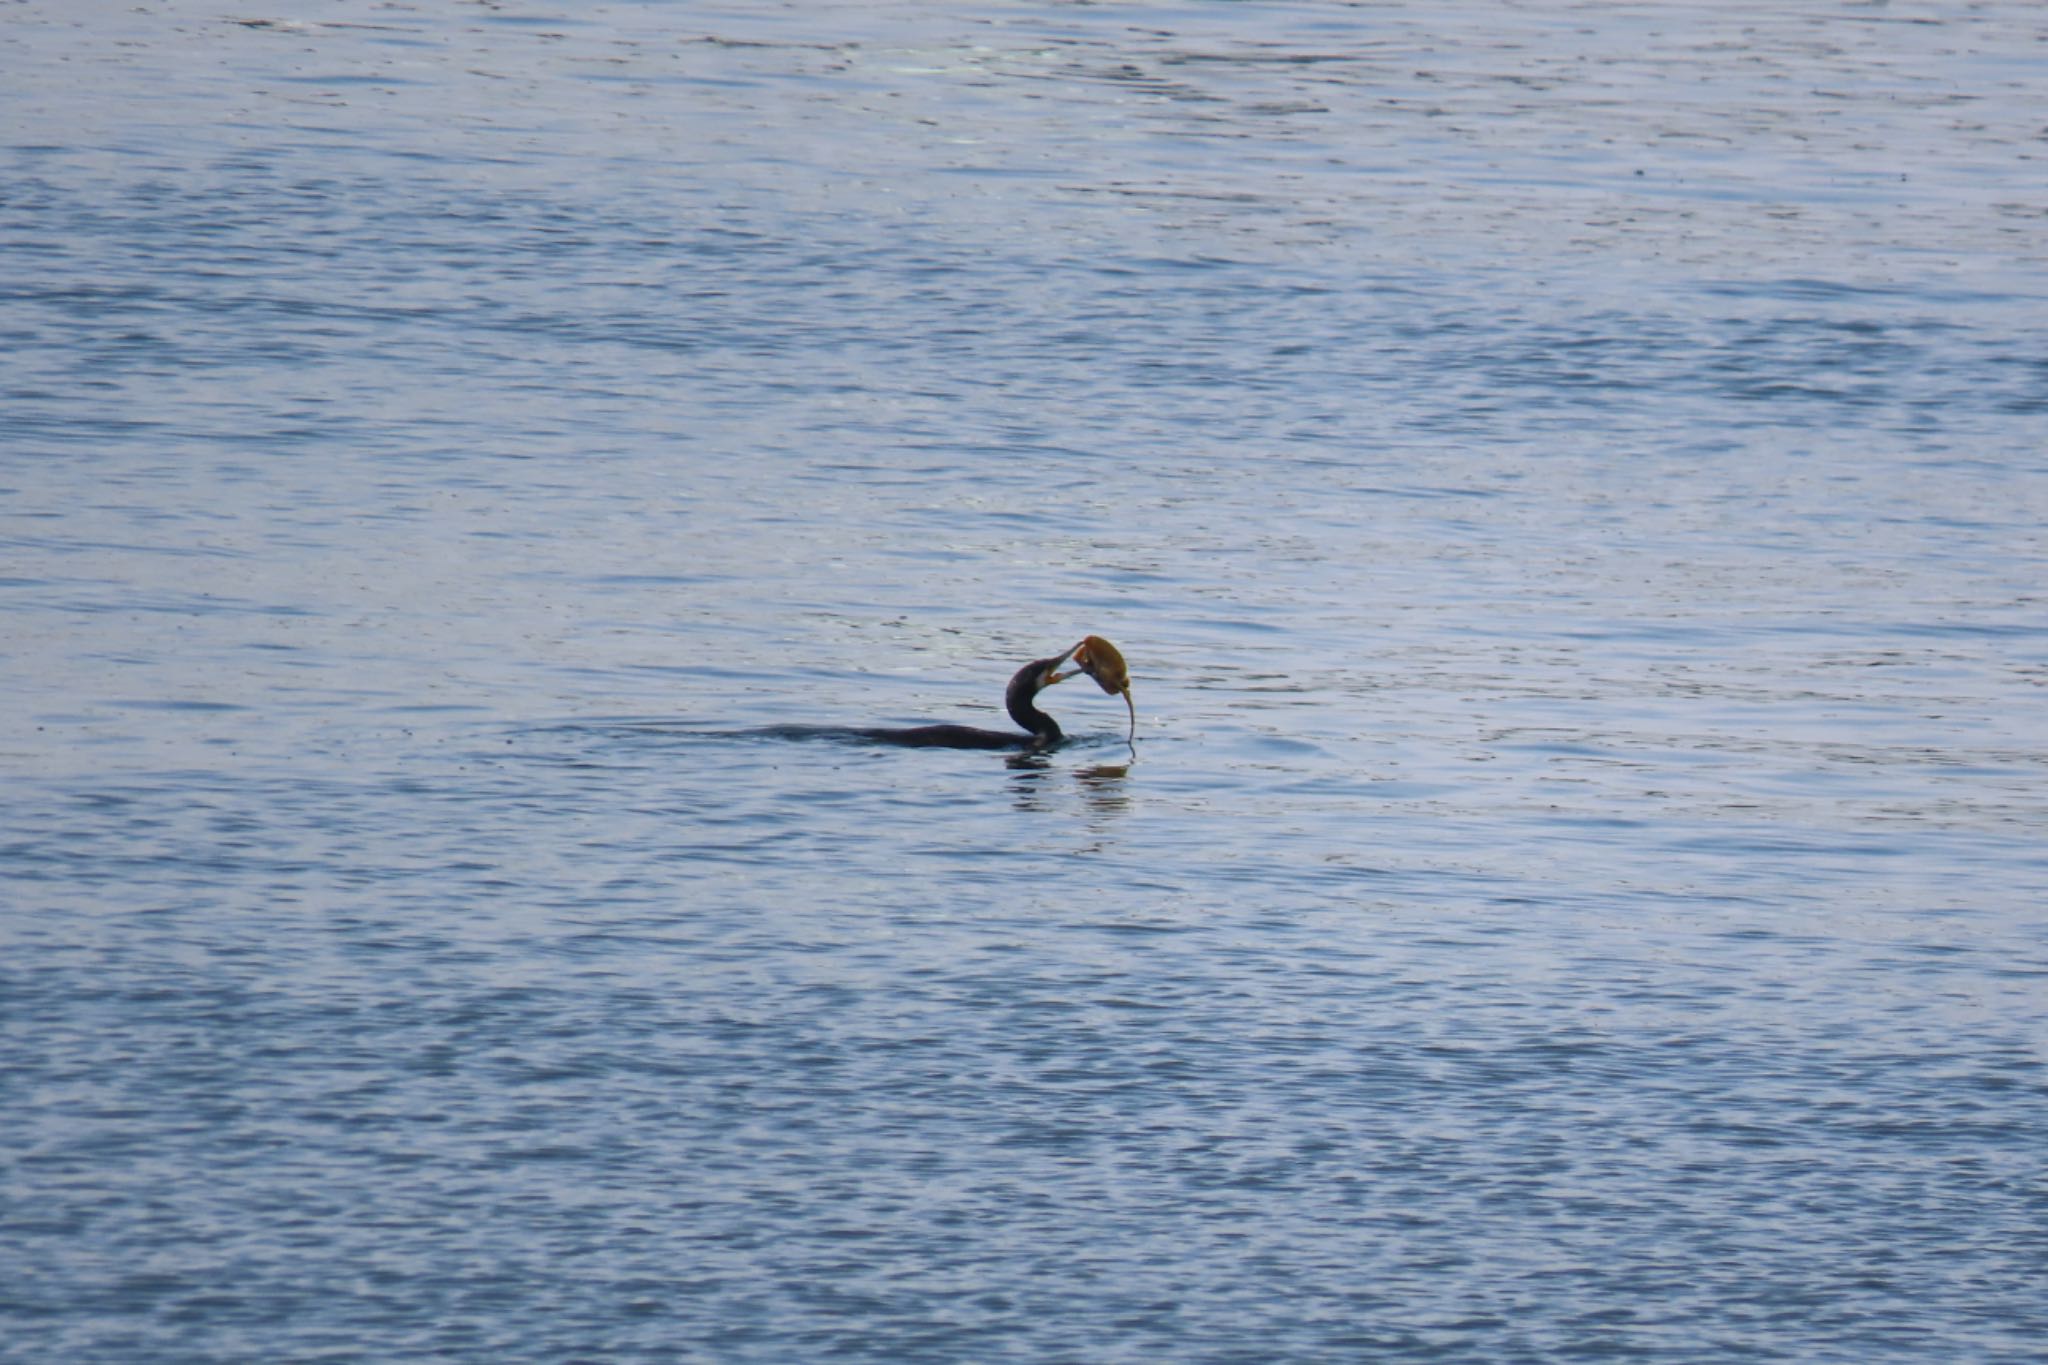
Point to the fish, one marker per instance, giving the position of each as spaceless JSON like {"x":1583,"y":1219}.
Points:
{"x":1104,"y":662}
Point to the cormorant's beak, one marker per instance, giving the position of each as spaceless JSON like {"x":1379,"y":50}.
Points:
{"x":1053,"y":674}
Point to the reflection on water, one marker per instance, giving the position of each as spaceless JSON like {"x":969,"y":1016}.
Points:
{"x":1568,"y":483}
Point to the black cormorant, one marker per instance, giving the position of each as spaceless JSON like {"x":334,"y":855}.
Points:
{"x":1095,"y":656}
{"x":1028,"y":682}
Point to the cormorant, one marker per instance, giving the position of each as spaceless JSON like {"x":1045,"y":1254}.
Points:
{"x":1095,"y":656}
{"x":1028,"y":682}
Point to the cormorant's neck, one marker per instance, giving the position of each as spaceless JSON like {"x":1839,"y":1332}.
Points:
{"x":1024,"y":688}
{"x":1044,"y":729}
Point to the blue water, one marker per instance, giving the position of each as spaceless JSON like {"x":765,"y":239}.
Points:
{"x":1569,"y":483}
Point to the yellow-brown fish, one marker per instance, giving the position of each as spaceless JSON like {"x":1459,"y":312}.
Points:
{"x":1102,"y":661}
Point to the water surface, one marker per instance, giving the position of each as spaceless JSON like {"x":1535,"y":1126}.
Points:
{"x":1569,"y":486}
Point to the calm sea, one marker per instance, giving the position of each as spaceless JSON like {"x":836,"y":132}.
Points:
{"x":1571,"y":482}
